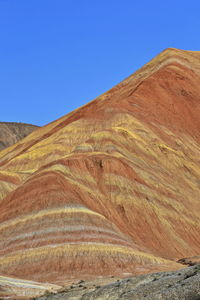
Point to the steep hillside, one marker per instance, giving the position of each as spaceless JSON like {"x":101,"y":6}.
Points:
{"x":11,"y":133}
{"x":111,"y":188}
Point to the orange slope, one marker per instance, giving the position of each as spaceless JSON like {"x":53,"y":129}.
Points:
{"x":111,"y":188}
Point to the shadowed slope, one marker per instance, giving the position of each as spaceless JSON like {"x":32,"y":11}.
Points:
{"x":11,"y":132}
{"x":111,"y":188}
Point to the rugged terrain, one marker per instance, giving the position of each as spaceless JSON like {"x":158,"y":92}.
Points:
{"x":183,"y":284}
{"x":111,"y":189}
{"x":12,"y":132}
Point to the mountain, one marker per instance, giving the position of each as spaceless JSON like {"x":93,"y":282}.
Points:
{"x":112,"y":188}
{"x":11,"y":132}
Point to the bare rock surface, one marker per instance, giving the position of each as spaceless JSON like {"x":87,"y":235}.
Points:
{"x":190,"y":261}
{"x":177,"y":285}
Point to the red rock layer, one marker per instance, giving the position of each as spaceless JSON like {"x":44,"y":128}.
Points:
{"x":111,"y":188}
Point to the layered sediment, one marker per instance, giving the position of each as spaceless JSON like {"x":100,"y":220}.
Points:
{"x":111,"y":188}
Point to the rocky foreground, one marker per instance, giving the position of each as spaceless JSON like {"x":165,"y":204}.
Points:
{"x":183,"y":284}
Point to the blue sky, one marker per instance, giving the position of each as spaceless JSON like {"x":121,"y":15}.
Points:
{"x":56,"y":55}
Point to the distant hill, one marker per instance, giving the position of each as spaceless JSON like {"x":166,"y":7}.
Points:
{"x":12,"y":132}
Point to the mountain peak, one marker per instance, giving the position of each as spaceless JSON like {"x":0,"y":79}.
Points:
{"x":111,"y":188}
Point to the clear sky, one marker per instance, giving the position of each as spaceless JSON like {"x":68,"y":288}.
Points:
{"x":56,"y":55}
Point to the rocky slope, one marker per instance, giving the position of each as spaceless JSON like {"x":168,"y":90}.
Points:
{"x":11,"y":133}
{"x":178,"y":285}
{"x":111,"y":189}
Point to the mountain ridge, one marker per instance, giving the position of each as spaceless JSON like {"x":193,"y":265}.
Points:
{"x":111,"y":188}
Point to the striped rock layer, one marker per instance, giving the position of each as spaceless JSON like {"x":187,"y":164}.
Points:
{"x":111,"y":188}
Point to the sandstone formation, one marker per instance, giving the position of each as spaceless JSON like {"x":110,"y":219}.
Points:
{"x":14,"y":288}
{"x":11,"y":133}
{"x":111,"y":189}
